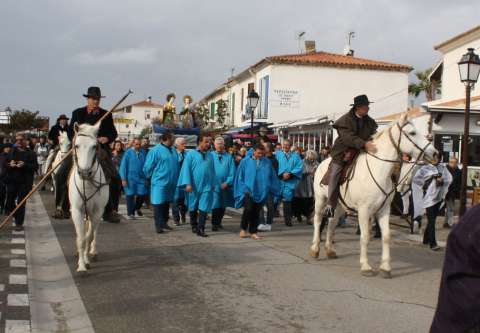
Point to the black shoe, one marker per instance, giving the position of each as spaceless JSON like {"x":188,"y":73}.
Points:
{"x":19,"y":228}
{"x":288,"y":223}
{"x":111,"y":218}
{"x":183,"y":219}
{"x":160,"y":231}
{"x":201,"y":233}
{"x":167,"y":227}
{"x":435,"y":248}
{"x":139,"y":212}
{"x":194,"y":229}
{"x":215,"y":228}
{"x":328,"y":212}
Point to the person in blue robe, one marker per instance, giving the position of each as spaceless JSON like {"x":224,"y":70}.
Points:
{"x":179,"y":210}
{"x":290,"y":169}
{"x":197,"y":177}
{"x":254,"y":181}
{"x":133,"y":178}
{"x":161,"y":166}
{"x":224,"y":166}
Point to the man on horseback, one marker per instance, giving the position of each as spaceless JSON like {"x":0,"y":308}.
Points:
{"x":107,"y":133}
{"x":61,"y":196}
{"x":354,"y":131}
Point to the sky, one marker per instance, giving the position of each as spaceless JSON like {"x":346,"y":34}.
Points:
{"x":52,"y":50}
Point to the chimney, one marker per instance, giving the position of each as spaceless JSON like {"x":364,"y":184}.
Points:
{"x":348,"y":51}
{"x":310,"y":46}
{"x":149,"y":99}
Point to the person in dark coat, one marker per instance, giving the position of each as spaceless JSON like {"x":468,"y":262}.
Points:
{"x":453,"y":191}
{"x":354,"y":131}
{"x":21,"y":166}
{"x":107,"y":133}
{"x":59,"y":127}
{"x":4,"y":155}
{"x":458,"y":307}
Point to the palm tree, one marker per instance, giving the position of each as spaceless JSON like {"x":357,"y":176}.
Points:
{"x":430,"y":88}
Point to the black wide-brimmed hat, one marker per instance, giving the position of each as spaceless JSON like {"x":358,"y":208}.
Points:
{"x":93,"y":92}
{"x":361,"y":100}
{"x":62,"y":116}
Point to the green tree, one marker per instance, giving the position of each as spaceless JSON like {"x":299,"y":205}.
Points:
{"x":22,"y":120}
{"x":146,"y":131}
{"x":221,"y":113}
{"x":424,"y":84}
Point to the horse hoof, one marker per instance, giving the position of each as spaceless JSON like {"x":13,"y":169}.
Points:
{"x":82,"y":273}
{"x":386,"y":274}
{"x":94,"y":257}
{"x":331,"y":254}
{"x":368,"y":273}
{"x":314,"y":254}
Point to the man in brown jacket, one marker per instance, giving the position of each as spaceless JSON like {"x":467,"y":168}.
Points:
{"x":354,"y":131}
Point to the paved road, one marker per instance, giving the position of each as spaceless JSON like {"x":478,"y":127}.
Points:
{"x":177,"y":282}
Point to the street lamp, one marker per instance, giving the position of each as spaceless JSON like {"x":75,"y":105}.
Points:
{"x":252,"y":102}
{"x":469,"y":68}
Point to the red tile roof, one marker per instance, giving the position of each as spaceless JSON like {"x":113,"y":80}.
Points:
{"x":335,"y":60}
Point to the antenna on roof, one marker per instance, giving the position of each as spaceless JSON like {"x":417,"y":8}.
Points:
{"x":232,"y":71}
{"x":348,"y":51}
{"x":299,"y":36}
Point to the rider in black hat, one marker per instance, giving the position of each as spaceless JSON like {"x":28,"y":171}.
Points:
{"x":107,"y":133}
{"x":354,"y":131}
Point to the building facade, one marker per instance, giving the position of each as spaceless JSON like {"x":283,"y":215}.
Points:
{"x":448,"y":110}
{"x":131,"y":119}
{"x":302,"y":95}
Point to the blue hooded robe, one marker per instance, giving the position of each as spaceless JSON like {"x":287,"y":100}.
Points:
{"x":256,"y":177}
{"x":198,"y":171}
{"x":131,"y":170}
{"x":224,"y":166}
{"x":179,"y":191}
{"x":162,"y":167}
{"x":292,"y":164}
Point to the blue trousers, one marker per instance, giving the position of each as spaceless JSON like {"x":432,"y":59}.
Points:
{"x":133,"y":203}
{"x":160,"y":215}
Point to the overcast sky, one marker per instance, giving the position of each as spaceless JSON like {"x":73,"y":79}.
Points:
{"x":52,"y":50}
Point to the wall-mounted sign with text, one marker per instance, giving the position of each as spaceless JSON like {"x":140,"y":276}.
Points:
{"x":285,"y":98}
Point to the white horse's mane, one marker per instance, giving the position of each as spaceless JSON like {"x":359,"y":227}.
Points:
{"x":88,"y":130}
{"x":393,"y":123}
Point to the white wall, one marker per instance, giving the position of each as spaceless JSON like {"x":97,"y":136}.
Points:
{"x":137,"y":119}
{"x":452,"y":88}
{"x":453,"y":124}
{"x":318,"y":91}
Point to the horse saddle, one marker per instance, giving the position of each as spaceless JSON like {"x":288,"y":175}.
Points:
{"x":350,"y":157}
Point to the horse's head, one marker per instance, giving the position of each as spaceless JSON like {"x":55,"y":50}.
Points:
{"x":415,"y":137}
{"x":85,"y":148}
{"x":64,"y":142}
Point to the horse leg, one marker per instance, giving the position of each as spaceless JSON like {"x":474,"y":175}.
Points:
{"x":384,"y":221}
{"x":77,"y":218}
{"x":88,"y":241}
{"x":364,"y":222}
{"x":317,"y":220}
{"x":332,"y":225}
{"x":93,"y":245}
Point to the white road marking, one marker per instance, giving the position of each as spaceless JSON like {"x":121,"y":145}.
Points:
{"x":17,"y":251}
{"x":18,"y":263}
{"x":17,"y":326}
{"x":2,"y":288}
{"x":17,"y":279}
{"x":18,"y":240}
{"x":18,"y":232}
{"x":17,"y":300}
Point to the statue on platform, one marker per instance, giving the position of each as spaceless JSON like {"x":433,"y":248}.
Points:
{"x":188,"y":114}
{"x":169,"y":112}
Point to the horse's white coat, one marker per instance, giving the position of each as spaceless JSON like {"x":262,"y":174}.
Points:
{"x":364,"y":195}
{"x":86,"y":166}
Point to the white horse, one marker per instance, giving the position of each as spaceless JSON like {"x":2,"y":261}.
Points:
{"x":370,"y":191}
{"x":64,"y":146}
{"x":88,"y":193}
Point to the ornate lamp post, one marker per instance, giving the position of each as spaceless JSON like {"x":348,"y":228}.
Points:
{"x":469,"y":69}
{"x":252,"y":102}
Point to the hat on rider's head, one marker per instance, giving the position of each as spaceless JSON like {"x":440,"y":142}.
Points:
{"x":63,"y":117}
{"x":361,"y":100}
{"x":93,"y":92}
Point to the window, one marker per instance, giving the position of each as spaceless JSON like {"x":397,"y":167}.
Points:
{"x":242,"y":99}
{"x":147,"y":114}
{"x":126,"y":125}
{"x":212,"y":111}
{"x":250,"y":87}
{"x":128,"y":109}
{"x":233,"y":105}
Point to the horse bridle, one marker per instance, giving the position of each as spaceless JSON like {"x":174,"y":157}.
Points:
{"x":398,"y":160}
{"x":83,"y":172}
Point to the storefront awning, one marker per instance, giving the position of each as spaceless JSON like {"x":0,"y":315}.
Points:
{"x":309,"y":121}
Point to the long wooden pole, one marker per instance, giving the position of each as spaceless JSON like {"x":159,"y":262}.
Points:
{"x":45,"y":177}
